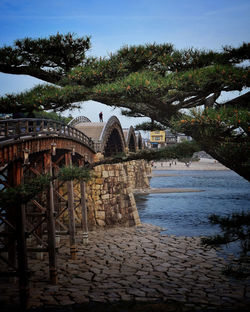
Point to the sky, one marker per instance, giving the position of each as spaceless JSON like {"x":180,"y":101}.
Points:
{"x":205,"y":24}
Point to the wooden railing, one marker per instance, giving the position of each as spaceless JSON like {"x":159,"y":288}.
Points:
{"x":78,"y":120}
{"x":15,"y":129}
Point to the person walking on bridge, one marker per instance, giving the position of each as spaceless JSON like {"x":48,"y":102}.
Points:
{"x":101,"y":117}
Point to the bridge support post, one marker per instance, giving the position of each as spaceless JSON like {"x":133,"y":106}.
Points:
{"x":22,"y":258}
{"x":85,"y":234}
{"x":51,"y":223}
{"x":21,"y":242}
{"x":70,"y":191}
{"x":11,"y":240}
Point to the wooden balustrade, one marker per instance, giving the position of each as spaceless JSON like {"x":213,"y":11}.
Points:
{"x":15,"y":129}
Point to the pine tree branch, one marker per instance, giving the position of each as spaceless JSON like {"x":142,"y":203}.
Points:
{"x":51,"y":77}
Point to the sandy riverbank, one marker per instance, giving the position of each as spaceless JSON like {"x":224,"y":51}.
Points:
{"x":165,"y":190}
{"x":203,"y":164}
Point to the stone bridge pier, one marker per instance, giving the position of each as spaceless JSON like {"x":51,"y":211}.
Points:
{"x":110,"y":197}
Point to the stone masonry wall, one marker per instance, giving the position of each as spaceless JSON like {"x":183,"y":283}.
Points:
{"x":109,"y":194}
{"x":138,"y":172}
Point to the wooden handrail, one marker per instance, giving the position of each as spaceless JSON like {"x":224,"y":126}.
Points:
{"x":15,"y":129}
{"x":78,"y":120}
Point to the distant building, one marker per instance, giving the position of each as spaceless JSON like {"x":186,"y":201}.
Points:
{"x":170,"y":137}
{"x":181,"y":137}
{"x":162,"y":138}
{"x":157,"y":138}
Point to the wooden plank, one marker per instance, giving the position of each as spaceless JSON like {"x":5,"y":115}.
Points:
{"x":21,"y":242}
{"x":60,"y":196}
{"x":72,"y":231}
{"x":38,"y":238}
{"x":39,"y":206}
{"x":38,"y":225}
{"x":22,"y":257}
{"x":58,"y":160}
{"x":84,"y":214}
{"x":4,"y":220}
{"x":11,"y":219}
{"x":62,"y":225}
{"x":36,"y":172}
{"x":51,"y":223}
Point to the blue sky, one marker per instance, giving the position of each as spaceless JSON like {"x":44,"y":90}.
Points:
{"x":111,"y":24}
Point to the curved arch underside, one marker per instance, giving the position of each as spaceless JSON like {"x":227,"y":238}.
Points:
{"x":139,"y":141}
{"x":132,"y":144}
{"x":114,"y":144}
{"x":112,"y":138}
{"x":131,"y":140}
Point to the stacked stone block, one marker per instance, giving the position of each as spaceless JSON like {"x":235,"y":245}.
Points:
{"x":109,"y":194}
{"x":110,"y":198}
{"x":137,"y":172}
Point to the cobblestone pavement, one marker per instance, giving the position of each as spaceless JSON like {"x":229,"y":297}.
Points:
{"x":136,"y":264}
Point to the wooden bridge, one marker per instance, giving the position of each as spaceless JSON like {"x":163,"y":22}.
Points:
{"x":30,"y":148}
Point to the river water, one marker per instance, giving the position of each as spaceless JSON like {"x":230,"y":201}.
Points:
{"x":186,"y":214}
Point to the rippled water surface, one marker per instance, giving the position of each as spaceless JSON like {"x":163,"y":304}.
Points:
{"x":186,"y":214}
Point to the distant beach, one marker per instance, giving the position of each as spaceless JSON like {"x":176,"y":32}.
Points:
{"x":202,"y":164}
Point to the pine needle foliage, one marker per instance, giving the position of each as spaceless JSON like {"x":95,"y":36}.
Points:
{"x":69,"y":173}
{"x":28,"y":190}
{"x":176,"y":151}
{"x":48,"y":59}
{"x":223,"y":132}
{"x":235,"y":228}
{"x":24,"y":192}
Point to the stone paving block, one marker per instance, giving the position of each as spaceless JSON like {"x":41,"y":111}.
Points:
{"x":97,"y":297}
{"x":125,"y":297}
{"x":135,"y":264}
{"x":77,"y":281}
{"x":49,"y":300}
{"x":136,"y":292}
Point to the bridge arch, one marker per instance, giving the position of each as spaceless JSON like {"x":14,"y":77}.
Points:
{"x":112,"y":138}
{"x":131,"y":139}
{"x":107,"y":136}
{"x":139,"y":141}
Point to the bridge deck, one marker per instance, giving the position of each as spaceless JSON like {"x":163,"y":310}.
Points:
{"x":92,"y":129}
